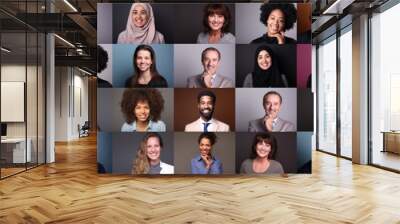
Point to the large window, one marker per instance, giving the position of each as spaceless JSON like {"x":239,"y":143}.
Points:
{"x":327,"y":95}
{"x":345,"y":59}
{"x":385,"y":89}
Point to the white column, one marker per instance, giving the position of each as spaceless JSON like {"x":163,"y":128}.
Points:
{"x":360,"y":90}
{"x":50,"y":98}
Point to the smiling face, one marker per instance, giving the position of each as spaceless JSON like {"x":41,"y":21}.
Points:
{"x":206,"y":107}
{"x":216,"y":22}
{"x":276,"y":21}
{"x":143,"y":60}
{"x":272,"y":105}
{"x":153,"y":148}
{"x":139,"y":16}
{"x":205,"y":147}
{"x":142,"y":111}
{"x":264,"y":60}
{"x":263,"y":149}
{"x":211,"y":61}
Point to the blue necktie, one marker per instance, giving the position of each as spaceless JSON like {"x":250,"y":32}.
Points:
{"x":205,"y":126}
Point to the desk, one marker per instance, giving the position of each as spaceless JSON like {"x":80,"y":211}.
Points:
{"x":17,"y":147}
{"x":391,"y":141}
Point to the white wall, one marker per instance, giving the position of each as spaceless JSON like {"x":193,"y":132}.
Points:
{"x":70,"y":83}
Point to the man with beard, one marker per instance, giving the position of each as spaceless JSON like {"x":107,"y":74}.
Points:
{"x":209,"y":78}
{"x":206,"y":122}
{"x":272,"y":102}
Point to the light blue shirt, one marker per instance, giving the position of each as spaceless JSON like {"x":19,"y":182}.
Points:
{"x":199,"y":167}
{"x":153,"y":126}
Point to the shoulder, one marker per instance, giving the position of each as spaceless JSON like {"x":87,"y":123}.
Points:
{"x":158,"y":81}
{"x":225,"y":82}
{"x":121,"y":37}
{"x":287,"y":125}
{"x":166,"y":168}
{"x":247,"y":162}
{"x":248,"y":80}
{"x":217,"y":161}
{"x":289,"y":40}
{"x":158,"y":125}
{"x":101,"y":83}
{"x":191,"y":126}
{"x":256,"y":121}
{"x":228,"y":38}
{"x":195,"y":159}
{"x":128,"y":82}
{"x":127,"y":127}
{"x":256,"y":125}
{"x":246,"y":166}
{"x":258,"y":40}
{"x":194,"y":81}
{"x":194,"y":77}
{"x":221,"y":125}
{"x":202,"y":38}
{"x":159,"y":37}
{"x":276,"y":166}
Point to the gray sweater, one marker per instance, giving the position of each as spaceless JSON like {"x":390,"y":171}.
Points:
{"x":274,"y":167}
{"x":227,"y":38}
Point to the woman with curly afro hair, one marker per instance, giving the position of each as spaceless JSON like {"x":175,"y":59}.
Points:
{"x":278,"y":18}
{"x":142,"y":110}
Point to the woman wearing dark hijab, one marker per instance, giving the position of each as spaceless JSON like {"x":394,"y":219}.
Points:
{"x":266,"y":72}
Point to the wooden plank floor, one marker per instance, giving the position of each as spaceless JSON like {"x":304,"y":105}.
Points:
{"x":70,"y":191}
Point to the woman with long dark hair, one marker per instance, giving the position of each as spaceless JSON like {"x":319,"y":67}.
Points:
{"x":146,"y":74}
{"x":266,"y":71}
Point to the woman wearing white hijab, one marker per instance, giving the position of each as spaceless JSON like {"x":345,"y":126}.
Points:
{"x":140,"y":27}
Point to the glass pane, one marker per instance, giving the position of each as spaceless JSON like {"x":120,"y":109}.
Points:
{"x":385,"y":89}
{"x":41,"y":99}
{"x":31,"y":98}
{"x":327,"y":97}
{"x":345,"y":94}
{"x":13,"y":87}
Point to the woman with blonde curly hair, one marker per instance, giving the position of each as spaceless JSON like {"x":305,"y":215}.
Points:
{"x":148,"y":157}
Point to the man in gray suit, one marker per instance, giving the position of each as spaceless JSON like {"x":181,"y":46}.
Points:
{"x":206,"y":122}
{"x":209,"y":78}
{"x":272,"y":102}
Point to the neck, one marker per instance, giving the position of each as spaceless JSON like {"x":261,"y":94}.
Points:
{"x":205,"y":119}
{"x":145,"y":76}
{"x":215,"y":33}
{"x":141,"y":125}
{"x":262,"y":159}
{"x":205,"y":73}
{"x":154,"y":162}
{"x":269,"y":34}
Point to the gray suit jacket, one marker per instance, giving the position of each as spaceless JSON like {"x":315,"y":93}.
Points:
{"x":280,"y":126}
{"x":220,"y":81}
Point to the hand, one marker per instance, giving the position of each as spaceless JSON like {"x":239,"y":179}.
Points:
{"x":268,"y":123}
{"x":207,"y":160}
{"x":207,"y":79}
{"x":280,"y":37}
